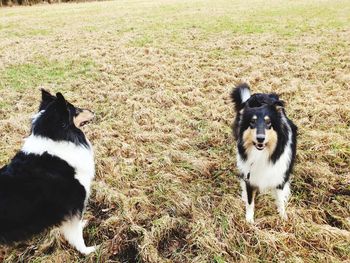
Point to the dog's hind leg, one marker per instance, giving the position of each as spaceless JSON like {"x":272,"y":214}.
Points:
{"x":250,"y":196}
{"x":281,"y":198}
{"x":72,"y":230}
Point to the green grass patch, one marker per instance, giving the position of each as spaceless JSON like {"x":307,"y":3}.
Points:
{"x":30,"y":75}
{"x":13,"y":31}
{"x":90,"y":28}
{"x":141,"y":41}
{"x":281,"y":19}
{"x":218,"y":259}
{"x":4,"y":105}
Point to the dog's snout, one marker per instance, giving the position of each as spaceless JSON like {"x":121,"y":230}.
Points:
{"x":260,"y":138}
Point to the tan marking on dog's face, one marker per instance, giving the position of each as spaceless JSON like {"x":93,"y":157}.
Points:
{"x":248,"y":139}
{"x":271,"y":142}
{"x":83,"y":117}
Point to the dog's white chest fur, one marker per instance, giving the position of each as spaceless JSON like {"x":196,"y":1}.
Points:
{"x":263,"y":173}
{"x":79,"y":157}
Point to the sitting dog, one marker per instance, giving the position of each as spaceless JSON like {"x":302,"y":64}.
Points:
{"x":266,"y":147}
{"x":47,"y":183}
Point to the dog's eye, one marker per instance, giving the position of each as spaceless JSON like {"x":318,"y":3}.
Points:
{"x":268,"y":124}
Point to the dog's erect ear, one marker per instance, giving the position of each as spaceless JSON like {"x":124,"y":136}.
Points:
{"x":274,"y":96}
{"x":62,"y":108}
{"x":239,"y":95}
{"x":46,"y":99}
{"x":61,"y":102}
{"x":279,"y":105}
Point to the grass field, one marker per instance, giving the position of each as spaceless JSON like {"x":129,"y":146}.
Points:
{"x":158,"y":75}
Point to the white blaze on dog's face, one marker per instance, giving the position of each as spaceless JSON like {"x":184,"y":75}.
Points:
{"x":82,"y":117}
{"x":259,"y":131}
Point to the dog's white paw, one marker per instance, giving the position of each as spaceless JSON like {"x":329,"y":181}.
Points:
{"x":283,"y":215}
{"x":282,"y":212}
{"x":88,"y":250}
{"x":249,"y":219}
{"x":249,"y":214}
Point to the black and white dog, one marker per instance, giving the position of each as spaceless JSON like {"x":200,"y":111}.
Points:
{"x":47,"y":183}
{"x":266,"y":147}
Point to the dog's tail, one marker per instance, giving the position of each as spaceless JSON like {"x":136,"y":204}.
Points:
{"x":239,"y":95}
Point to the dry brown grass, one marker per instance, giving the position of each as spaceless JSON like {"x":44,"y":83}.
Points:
{"x":158,"y":75}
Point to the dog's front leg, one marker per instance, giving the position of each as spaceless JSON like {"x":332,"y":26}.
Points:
{"x":281,"y":198}
{"x":250,"y":194}
{"x":72,"y":230}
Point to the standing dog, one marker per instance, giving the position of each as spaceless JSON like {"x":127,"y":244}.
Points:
{"x":47,"y":183}
{"x":266,"y":147}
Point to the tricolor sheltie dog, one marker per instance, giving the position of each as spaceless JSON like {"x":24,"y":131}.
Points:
{"x":47,"y":183}
{"x":266,"y":147}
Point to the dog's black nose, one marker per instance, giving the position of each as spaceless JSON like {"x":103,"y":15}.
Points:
{"x":260,"y":138}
